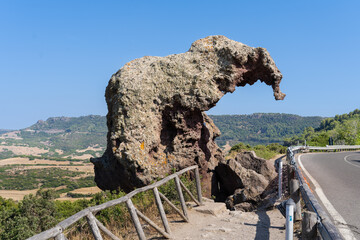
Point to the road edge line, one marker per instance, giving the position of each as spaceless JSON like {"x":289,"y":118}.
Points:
{"x":339,"y":220}
{"x":345,"y":159}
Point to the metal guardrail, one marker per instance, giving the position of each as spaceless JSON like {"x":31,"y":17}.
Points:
{"x":325,"y":227}
{"x":95,"y":225}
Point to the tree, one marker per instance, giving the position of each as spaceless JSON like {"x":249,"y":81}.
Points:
{"x":33,"y":215}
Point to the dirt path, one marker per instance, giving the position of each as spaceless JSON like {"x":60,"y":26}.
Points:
{"x":216,"y":222}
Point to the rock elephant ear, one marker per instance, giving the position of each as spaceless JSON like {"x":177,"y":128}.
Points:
{"x":156,"y":120}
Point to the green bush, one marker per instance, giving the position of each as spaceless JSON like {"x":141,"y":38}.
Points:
{"x":344,"y":129}
{"x":37,"y":213}
{"x":266,"y":152}
{"x":34,"y":214}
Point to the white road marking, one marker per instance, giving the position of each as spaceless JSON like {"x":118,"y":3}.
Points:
{"x":345,"y":159}
{"x":339,"y":220}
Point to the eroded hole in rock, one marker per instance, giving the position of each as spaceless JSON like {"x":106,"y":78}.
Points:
{"x":205,"y":137}
{"x":168,"y":130}
{"x":117,"y":143}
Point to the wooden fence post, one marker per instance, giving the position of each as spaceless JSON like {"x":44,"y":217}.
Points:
{"x":94,"y":227}
{"x":161,"y":210}
{"x":61,"y":236}
{"x":181,"y":196}
{"x":135,"y":219}
{"x":198,"y":185}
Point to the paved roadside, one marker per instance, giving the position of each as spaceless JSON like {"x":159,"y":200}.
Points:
{"x":216,"y":222}
{"x":337,"y":177}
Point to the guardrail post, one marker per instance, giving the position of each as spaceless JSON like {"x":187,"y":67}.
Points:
{"x":295,"y":195}
{"x":309,"y":226}
{"x":288,"y":155}
{"x":290,"y":205}
{"x":280,"y":178}
{"x":291,"y":175}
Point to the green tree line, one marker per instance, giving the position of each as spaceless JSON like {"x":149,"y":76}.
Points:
{"x":261,"y":128}
{"x":342,"y":129}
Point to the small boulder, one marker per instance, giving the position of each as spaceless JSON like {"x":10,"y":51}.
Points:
{"x":232,"y":176}
{"x":243,"y":180}
{"x":249,"y":160}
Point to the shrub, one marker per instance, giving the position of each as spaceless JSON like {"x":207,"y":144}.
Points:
{"x":34,"y":214}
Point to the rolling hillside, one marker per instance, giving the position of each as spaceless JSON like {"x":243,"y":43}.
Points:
{"x":341,"y":129}
{"x":69,"y":137}
{"x":261,"y":128}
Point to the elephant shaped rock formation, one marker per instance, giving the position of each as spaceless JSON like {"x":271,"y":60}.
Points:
{"x":156,"y":120}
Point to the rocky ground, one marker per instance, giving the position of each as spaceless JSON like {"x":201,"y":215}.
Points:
{"x":214,"y":221}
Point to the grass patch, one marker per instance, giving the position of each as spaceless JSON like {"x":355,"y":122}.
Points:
{"x":266,"y":152}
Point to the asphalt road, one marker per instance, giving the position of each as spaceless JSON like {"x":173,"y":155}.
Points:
{"x":338,"y":175}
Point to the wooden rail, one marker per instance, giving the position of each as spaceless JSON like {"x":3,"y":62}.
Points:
{"x":97,"y":227}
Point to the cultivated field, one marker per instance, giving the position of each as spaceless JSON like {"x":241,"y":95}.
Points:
{"x":30,"y":170}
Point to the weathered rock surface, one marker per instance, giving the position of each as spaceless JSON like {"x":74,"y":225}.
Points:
{"x":156,"y":120}
{"x":249,"y":160}
{"x":243,"y":180}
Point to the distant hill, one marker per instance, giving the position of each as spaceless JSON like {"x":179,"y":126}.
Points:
{"x":60,"y":137}
{"x":342,"y":129}
{"x":4,"y":131}
{"x":261,"y":128}
{"x":91,"y":123}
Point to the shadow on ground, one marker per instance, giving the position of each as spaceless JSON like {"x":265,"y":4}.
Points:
{"x":263,"y":226}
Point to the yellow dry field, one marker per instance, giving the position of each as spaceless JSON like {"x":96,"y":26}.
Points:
{"x":88,"y":168}
{"x":87,"y":190}
{"x":64,"y":198}
{"x":19,"y":195}
{"x":13,"y":135}
{"x":82,"y":157}
{"x":21,"y":150}
{"x":16,"y":194}
{"x":24,"y":161}
{"x":90,"y":149}
{"x":85,"y":167}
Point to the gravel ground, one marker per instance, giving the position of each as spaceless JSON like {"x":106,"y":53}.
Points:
{"x":214,"y":221}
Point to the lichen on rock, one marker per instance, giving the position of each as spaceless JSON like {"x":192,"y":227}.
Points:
{"x":156,"y":120}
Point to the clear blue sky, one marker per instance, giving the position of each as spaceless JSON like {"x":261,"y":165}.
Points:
{"x":56,"y":57}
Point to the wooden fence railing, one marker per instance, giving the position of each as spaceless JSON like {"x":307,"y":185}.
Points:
{"x":95,"y":225}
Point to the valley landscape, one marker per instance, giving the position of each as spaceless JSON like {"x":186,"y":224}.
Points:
{"x":56,"y":153}
{"x":35,"y":170}
{"x":52,"y":154}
